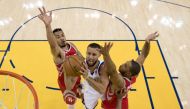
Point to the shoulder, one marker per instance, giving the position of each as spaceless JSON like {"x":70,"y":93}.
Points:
{"x":101,"y":65}
{"x":128,"y":81}
{"x":71,"y":44}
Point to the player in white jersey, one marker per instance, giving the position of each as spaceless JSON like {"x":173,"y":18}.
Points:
{"x":92,"y":92}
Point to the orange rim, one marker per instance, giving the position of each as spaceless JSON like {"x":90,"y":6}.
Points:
{"x":25,"y":82}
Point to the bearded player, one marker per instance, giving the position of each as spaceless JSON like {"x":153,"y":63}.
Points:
{"x":94,"y":85}
{"x":120,"y":83}
{"x":127,"y":75}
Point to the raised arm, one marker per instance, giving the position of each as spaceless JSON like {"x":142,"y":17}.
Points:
{"x":47,"y":19}
{"x":120,"y":94}
{"x":115,"y":77}
{"x":146,"y":48}
{"x":111,"y":67}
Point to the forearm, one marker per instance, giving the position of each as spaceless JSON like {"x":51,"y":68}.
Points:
{"x":146,"y":49}
{"x":50,"y":36}
{"x":119,"y":103}
{"x":117,"y":80}
{"x":79,"y":54}
{"x":110,"y":66}
{"x":98,"y":86}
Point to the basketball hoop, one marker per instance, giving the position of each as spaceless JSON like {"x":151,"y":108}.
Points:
{"x":26,"y":82}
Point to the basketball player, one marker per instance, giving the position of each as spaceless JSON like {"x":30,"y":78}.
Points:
{"x":127,"y":75}
{"x":120,"y":83}
{"x":94,"y":85}
{"x":60,"y":49}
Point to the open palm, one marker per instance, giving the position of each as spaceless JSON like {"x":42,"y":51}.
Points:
{"x":106,"y":49}
{"x":47,"y":19}
{"x":152,"y":36}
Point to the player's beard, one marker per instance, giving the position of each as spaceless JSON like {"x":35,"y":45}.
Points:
{"x":63,"y":44}
{"x":91,"y":65}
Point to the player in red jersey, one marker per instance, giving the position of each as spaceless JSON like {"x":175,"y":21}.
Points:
{"x":115,"y":96}
{"x":121,"y":82}
{"x":60,"y":49}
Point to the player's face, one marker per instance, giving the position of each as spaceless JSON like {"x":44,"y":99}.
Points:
{"x":60,"y":37}
{"x":92,"y":55}
{"x":125,"y":69}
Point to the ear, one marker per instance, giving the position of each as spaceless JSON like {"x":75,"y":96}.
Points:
{"x":99,"y":55}
{"x":129,"y":74}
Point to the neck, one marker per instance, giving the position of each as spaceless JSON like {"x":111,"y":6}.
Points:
{"x":66,"y":46}
{"x":126,"y":76}
{"x":92,"y":67}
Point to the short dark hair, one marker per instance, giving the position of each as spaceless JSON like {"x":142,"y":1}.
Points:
{"x":57,"y":29}
{"x":135,"y":68}
{"x":94,"y":45}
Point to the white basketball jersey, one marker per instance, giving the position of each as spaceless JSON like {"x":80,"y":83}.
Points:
{"x":91,"y":96}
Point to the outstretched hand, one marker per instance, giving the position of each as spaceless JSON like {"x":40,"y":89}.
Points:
{"x":84,"y":70}
{"x":106,"y":49}
{"x":152,"y":36}
{"x":47,"y":19}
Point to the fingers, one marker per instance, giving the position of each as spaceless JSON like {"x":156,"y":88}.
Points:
{"x":84,"y":72}
{"x":50,"y":13}
{"x":85,"y":66}
{"x":121,"y":93}
{"x":111,"y":44}
{"x":81,"y":72}
{"x":44,"y":9}
{"x":156,"y":34}
{"x":105,"y":44}
{"x":40,"y":16}
{"x":108,"y":46}
{"x":82,"y":69}
{"x":40,"y":10}
{"x":152,"y":36}
{"x":125,"y":90}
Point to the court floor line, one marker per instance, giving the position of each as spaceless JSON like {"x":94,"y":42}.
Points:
{"x":176,"y":4}
{"x":145,"y":78}
{"x":2,"y":50}
{"x":117,"y":18}
{"x":172,"y":82}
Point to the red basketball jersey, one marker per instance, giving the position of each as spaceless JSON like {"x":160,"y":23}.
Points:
{"x":61,"y":82}
{"x":110,"y":98}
